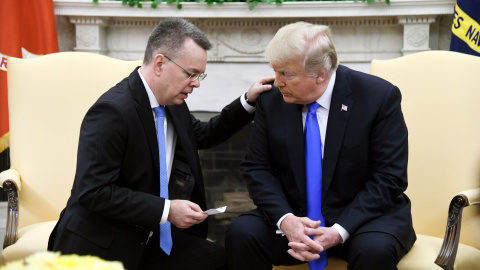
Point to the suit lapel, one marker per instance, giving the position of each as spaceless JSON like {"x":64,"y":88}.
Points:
{"x":293,"y":128}
{"x":181,"y":125}
{"x":145,"y":114}
{"x":340,"y":109}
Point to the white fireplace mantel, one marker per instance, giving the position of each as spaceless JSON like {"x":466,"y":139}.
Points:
{"x":361,"y":32}
{"x":91,"y":20}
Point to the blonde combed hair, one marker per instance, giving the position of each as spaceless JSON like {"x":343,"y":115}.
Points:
{"x":312,"y":43}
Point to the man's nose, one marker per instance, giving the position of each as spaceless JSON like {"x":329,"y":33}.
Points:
{"x":195,"y":83}
{"x":278,"y":82}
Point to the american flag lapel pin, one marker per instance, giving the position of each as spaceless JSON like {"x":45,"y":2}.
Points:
{"x":344,"y":108}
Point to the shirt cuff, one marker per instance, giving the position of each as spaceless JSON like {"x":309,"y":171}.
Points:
{"x":343,"y":233}
{"x":246,"y":106}
{"x":166,"y":210}
{"x":279,"y":231}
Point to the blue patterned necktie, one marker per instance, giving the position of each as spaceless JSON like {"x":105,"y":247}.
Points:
{"x":165,"y":230}
{"x":313,"y":166}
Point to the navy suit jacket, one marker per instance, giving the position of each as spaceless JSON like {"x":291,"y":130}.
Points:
{"x":114,"y":202}
{"x":364,"y":164}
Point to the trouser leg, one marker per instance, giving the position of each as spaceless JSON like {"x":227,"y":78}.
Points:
{"x":252,"y":243}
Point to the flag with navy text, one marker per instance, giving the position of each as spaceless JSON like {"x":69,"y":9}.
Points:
{"x":466,"y":27}
{"x":27,"y":29}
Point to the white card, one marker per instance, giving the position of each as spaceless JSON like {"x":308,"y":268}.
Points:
{"x":216,"y":211}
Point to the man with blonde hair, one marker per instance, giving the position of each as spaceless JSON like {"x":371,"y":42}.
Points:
{"x":326,"y":164}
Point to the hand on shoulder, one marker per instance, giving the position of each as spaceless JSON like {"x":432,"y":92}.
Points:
{"x":259,"y":87}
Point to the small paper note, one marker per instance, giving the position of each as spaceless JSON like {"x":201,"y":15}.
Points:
{"x":216,"y":211}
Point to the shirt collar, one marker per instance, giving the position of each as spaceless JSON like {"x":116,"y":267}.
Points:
{"x":151,"y":96}
{"x":326,"y":98}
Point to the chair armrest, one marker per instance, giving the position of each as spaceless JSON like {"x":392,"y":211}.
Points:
{"x":11,"y":175}
{"x":10,"y":182}
{"x":472,"y":196}
{"x":448,"y":251}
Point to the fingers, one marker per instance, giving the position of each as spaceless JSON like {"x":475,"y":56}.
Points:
{"x":311,"y":223}
{"x":313,"y":231}
{"x":198,"y":213}
{"x":259,"y":87}
{"x":199,"y":216}
{"x":310,"y":246}
{"x":305,"y":252}
{"x":264,"y":87}
{"x":307,"y":243}
{"x":195,"y":213}
{"x":295,"y":227}
{"x":304,"y":256}
{"x":327,"y":237}
{"x":184,"y":214}
{"x":195,"y":207}
{"x":265,"y":80}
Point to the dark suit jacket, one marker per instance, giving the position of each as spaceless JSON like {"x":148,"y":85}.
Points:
{"x":364,"y":164}
{"x":114,"y":202}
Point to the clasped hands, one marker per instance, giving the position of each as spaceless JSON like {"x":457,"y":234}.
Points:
{"x":298,"y":231}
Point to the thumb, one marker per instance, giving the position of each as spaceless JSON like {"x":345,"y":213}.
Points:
{"x":312,"y":223}
{"x":195,"y":207}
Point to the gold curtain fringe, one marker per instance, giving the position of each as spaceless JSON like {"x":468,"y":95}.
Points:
{"x":4,"y":142}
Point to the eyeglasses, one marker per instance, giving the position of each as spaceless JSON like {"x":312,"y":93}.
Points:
{"x":192,"y":76}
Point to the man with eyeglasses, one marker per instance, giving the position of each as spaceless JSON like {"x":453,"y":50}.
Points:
{"x":138,"y":195}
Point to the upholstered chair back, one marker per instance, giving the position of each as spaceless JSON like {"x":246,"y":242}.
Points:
{"x":48,"y":97}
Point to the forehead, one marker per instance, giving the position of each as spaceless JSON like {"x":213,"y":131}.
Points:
{"x":194,"y":57}
{"x":291,"y":65}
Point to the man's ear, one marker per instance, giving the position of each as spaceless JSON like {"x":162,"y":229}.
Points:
{"x":322,"y":75}
{"x":158,"y":62}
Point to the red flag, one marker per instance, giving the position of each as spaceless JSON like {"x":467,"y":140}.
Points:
{"x":27,"y":29}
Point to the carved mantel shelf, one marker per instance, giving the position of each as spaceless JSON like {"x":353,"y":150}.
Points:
{"x":307,"y":9}
{"x":232,"y":23}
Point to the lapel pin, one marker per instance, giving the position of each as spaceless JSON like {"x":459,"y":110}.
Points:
{"x":344,"y":108}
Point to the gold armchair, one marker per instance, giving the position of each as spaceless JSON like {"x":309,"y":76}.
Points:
{"x":441,"y":105}
{"x":48,"y":97}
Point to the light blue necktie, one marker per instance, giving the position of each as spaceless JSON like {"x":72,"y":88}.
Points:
{"x":165,"y":230}
{"x":313,"y":166}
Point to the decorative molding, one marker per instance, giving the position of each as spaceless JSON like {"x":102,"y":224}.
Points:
{"x":240,"y":35}
{"x":416,"y":33}
{"x":247,"y":41}
{"x":240,"y":10}
{"x":417,"y":36}
{"x":133,"y":22}
{"x":102,"y":21}
{"x":250,"y":23}
{"x":90,"y":33}
{"x":416,"y":20}
{"x":86,"y":37}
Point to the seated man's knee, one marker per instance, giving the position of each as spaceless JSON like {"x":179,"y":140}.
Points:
{"x":374,"y":251}
{"x":241,"y":229}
